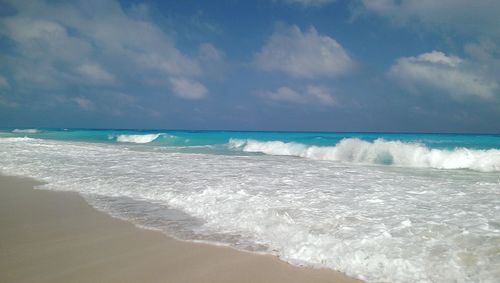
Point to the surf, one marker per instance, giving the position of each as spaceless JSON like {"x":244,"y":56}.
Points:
{"x":381,"y":223}
{"x":379,"y":152}
{"x":137,"y":138}
{"x":25,"y":131}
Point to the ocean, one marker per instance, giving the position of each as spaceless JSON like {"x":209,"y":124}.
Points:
{"x":379,"y":207}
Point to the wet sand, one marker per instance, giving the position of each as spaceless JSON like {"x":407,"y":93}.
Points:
{"x":50,"y":236}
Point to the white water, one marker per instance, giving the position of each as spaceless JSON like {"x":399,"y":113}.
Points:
{"x":137,"y":138}
{"x":378,"y":223}
{"x":381,"y":152}
{"x":25,"y":131}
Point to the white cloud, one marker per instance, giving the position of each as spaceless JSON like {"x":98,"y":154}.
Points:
{"x":438,"y":57}
{"x":309,"y":95}
{"x":320,"y":94}
{"x":96,"y":74}
{"x":44,"y":50}
{"x":188,"y":89}
{"x":309,"y":3}
{"x":462,"y":16}
{"x":57,"y":44}
{"x":304,"y":54}
{"x":438,"y":71}
{"x":477,"y":74}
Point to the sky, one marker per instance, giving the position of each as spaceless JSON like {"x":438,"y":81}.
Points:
{"x":287,"y":65}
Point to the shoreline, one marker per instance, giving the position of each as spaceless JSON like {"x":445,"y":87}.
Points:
{"x":50,"y":236}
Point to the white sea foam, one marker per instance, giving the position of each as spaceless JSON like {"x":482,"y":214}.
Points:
{"x":18,"y":139}
{"x":25,"y":131}
{"x":137,"y":138}
{"x":381,"y":224}
{"x":380,"y":152}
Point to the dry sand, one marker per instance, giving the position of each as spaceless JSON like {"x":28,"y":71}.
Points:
{"x":57,"y":237}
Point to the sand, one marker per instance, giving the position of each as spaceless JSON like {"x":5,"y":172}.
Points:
{"x":50,"y":236}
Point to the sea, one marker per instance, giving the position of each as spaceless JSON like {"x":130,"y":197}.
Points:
{"x":381,"y":207}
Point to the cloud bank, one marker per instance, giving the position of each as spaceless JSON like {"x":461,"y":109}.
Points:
{"x":95,"y":43}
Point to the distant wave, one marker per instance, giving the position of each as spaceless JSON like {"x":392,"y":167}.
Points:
{"x":18,"y":139}
{"x":137,"y":138}
{"x":380,"y":151}
{"x":25,"y":131}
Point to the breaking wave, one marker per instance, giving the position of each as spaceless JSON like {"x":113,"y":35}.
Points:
{"x":18,"y":139}
{"x":137,"y":138}
{"x":380,"y":151}
{"x":376,"y":225}
{"x":25,"y":131}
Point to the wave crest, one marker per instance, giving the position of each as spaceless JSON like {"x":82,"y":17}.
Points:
{"x":17,"y":139}
{"x":380,"y":151}
{"x":137,"y":138}
{"x":25,"y":131}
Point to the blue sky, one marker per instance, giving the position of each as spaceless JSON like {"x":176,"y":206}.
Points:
{"x":305,"y":65}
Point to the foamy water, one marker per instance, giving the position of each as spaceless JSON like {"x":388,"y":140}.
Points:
{"x":381,"y":152}
{"x":137,"y":138}
{"x":348,"y":207}
{"x":25,"y":131}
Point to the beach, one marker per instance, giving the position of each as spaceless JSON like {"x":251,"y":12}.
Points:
{"x":377,"y":207}
{"x":51,"y":236}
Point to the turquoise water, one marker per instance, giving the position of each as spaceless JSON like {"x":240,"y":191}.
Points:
{"x":199,"y":138}
{"x":439,"y":151}
{"x":380,"y":207}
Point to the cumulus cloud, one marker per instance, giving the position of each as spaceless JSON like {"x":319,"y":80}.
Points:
{"x":477,"y":74}
{"x":438,"y":71}
{"x":304,"y":54}
{"x":188,"y":89}
{"x":57,"y":45}
{"x":436,"y":57}
{"x":462,"y":16}
{"x":309,"y":95}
